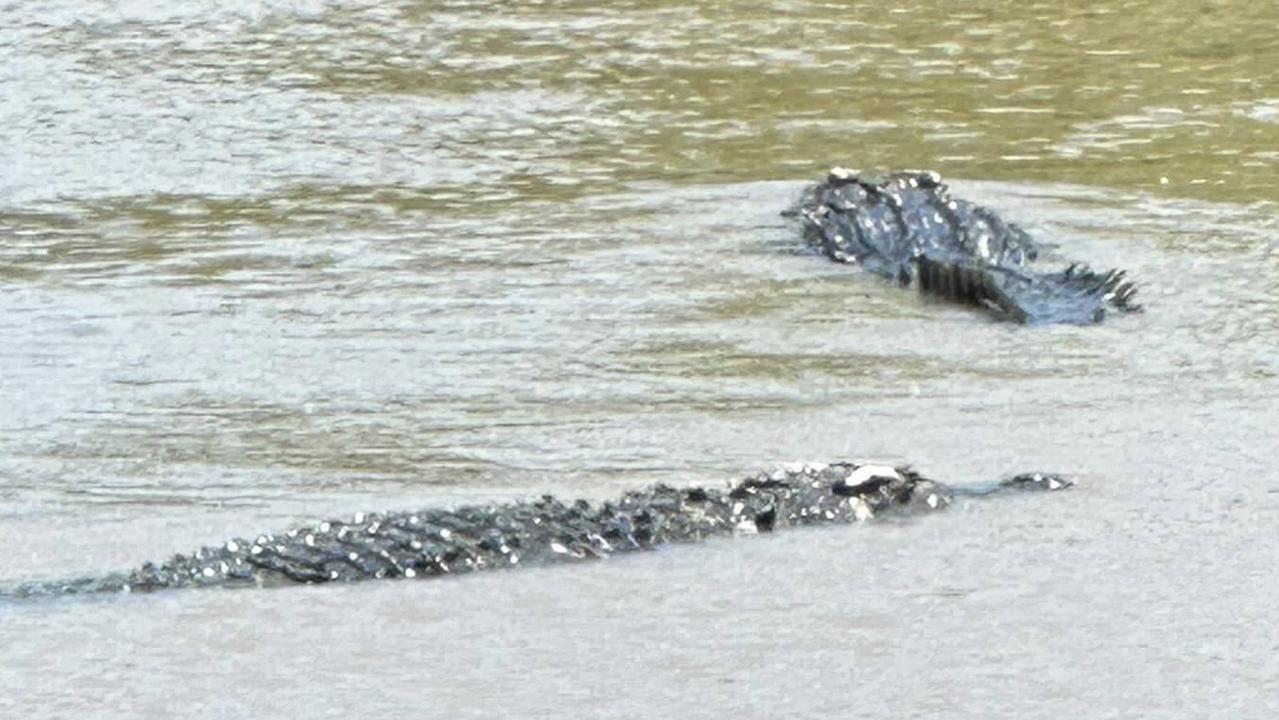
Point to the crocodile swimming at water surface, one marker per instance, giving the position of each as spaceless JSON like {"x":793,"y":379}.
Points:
{"x":466,"y":539}
{"x":907,"y":227}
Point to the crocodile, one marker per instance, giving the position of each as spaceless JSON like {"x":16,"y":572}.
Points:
{"x":544,"y":531}
{"x":907,"y":227}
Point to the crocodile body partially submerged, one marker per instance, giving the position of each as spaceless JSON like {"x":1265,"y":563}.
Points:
{"x":907,"y":227}
{"x":442,"y":542}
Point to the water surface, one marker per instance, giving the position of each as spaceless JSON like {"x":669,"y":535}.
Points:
{"x":262,"y":262}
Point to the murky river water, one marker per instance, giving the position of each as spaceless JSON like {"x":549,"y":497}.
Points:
{"x":267,"y":261}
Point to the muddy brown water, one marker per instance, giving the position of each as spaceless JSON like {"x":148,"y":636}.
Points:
{"x":263,"y":262}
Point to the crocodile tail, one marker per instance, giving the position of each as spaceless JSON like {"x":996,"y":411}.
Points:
{"x":1075,"y":295}
{"x":967,"y":283}
{"x":1113,"y":285}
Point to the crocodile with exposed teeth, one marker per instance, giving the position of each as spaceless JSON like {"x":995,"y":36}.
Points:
{"x":465,"y":539}
{"x":907,"y":227}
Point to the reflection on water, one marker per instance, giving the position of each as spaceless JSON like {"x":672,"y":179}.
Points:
{"x":554,"y":99}
{"x":264,"y":260}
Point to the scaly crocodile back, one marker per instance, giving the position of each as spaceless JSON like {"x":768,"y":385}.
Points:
{"x":908,"y":227}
